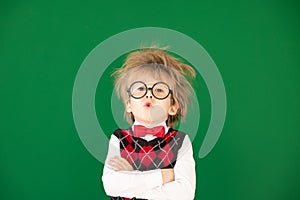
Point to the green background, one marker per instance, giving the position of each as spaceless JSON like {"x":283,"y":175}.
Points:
{"x":255,"y":45}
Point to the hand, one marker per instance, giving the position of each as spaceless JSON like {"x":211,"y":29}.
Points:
{"x":167,"y":175}
{"x":120,"y":164}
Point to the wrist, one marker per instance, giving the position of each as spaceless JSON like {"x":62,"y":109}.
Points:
{"x":167,"y":175}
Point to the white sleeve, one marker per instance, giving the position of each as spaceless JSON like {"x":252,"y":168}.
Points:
{"x":185,"y":178}
{"x":127,"y":183}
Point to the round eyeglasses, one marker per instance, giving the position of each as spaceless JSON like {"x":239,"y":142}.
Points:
{"x":139,"y":89}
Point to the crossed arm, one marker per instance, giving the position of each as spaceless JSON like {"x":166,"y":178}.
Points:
{"x":121,"y":164}
{"x":120,"y":179}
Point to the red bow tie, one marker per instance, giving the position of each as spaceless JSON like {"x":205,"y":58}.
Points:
{"x":142,"y":131}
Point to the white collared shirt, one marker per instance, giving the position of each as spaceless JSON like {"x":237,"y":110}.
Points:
{"x":149,"y":184}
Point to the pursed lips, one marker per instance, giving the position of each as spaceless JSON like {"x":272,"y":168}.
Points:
{"x":148,"y":105}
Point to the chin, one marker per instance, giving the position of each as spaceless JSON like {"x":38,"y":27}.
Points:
{"x":146,"y":121}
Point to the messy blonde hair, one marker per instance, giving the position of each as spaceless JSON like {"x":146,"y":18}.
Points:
{"x":160,"y":64}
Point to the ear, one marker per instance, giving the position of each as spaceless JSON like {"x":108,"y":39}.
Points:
{"x":173,"y":108}
{"x":128,"y":106}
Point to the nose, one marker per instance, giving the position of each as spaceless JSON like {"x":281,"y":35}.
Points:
{"x":149,"y":93}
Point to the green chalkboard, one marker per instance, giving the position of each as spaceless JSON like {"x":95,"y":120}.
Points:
{"x":255,"y":45}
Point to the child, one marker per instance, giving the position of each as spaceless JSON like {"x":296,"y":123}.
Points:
{"x":151,"y":160}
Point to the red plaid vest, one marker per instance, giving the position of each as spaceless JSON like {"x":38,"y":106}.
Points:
{"x":146,"y":155}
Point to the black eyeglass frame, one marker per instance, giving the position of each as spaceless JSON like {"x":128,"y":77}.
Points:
{"x":149,"y":88}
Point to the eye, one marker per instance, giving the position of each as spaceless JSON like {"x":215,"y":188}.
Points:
{"x":141,"y":89}
{"x":159,"y":90}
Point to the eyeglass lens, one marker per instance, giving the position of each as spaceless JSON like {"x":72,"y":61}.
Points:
{"x":159,"y":90}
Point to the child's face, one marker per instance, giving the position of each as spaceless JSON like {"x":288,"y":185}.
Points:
{"x":148,"y":109}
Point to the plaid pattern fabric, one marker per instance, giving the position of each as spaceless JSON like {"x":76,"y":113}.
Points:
{"x":146,"y":155}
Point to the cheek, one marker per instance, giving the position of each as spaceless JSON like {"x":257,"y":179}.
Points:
{"x":158,"y":112}
{"x":162,"y":108}
{"x":135,"y":107}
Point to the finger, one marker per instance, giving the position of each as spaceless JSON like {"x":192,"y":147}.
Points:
{"x":120,"y":162}
{"x":124,"y":164}
{"x":117,"y":163}
{"x":127,"y":165}
{"x":112,"y":165}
